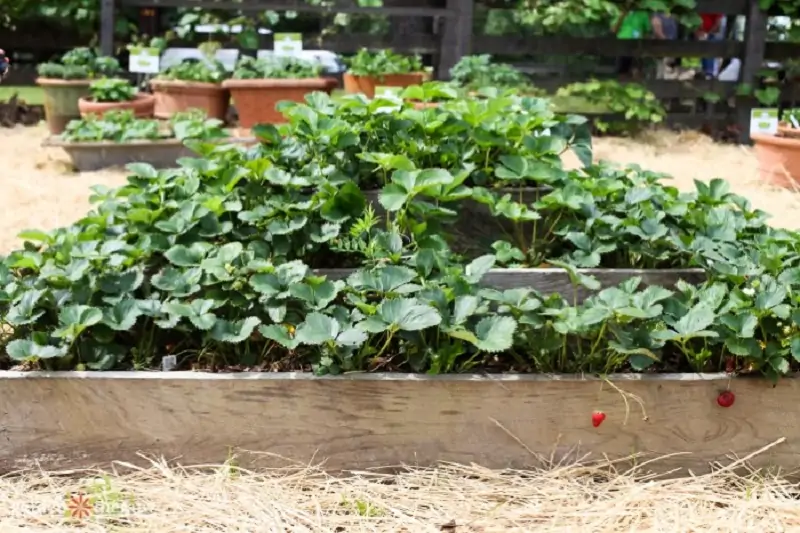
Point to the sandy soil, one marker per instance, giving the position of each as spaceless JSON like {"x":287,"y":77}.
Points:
{"x":41,"y":192}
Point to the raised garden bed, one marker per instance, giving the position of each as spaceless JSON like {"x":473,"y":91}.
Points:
{"x":361,"y":421}
{"x":119,"y":138}
{"x":211,"y":267}
{"x":558,"y":281}
{"x":90,"y":156}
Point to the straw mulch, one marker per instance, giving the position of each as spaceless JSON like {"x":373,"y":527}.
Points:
{"x":577,"y":497}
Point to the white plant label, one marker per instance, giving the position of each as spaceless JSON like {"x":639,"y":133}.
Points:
{"x":143,"y":60}
{"x":288,"y":43}
{"x":764,"y":121}
{"x":388,"y":91}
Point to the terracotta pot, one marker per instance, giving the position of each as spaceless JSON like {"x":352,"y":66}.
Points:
{"x":425,"y":105}
{"x":366,"y":84}
{"x":786,"y":130}
{"x":255,"y":100}
{"x":173,"y":96}
{"x":61,"y":101}
{"x":778,"y":159}
{"x":142,"y":106}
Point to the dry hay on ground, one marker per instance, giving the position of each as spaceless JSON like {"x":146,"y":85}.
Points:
{"x":450,"y":498}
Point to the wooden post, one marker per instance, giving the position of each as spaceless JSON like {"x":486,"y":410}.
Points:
{"x":107,"y":27}
{"x":456,"y":36}
{"x":755,"y":36}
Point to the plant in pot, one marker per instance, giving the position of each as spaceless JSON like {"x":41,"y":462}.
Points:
{"x":65,"y":82}
{"x":257,"y":85}
{"x":113,"y":94}
{"x":476,"y":72}
{"x":367,"y":70}
{"x":430,"y":94}
{"x":191,"y":85}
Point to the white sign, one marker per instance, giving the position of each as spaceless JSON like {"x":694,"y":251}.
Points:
{"x":288,"y":43}
{"x":764,"y":120}
{"x":388,"y":91}
{"x":143,"y":60}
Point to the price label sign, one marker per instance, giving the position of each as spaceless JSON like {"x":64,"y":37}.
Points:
{"x":764,"y":121}
{"x":288,"y":43}
{"x":143,"y":60}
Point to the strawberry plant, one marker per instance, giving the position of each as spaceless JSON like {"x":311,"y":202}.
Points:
{"x":214,"y":262}
{"x":249,"y":68}
{"x":112,"y":90}
{"x":366,"y":63}
{"x":478,"y":71}
{"x":123,"y":126}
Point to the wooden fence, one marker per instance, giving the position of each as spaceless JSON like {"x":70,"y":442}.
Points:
{"x":451,"y":36}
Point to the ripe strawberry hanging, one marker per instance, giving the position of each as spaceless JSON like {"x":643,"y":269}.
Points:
{"x":726,"y":398}
{"x":597,"y":418}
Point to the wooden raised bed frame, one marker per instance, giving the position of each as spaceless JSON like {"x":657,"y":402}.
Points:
{"x":77,"y":419}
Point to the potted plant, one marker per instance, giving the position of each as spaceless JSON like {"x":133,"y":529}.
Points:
{"x":778,"y":157}
{"x":113,"y":94}
{"x":118,"y":137}
{"x":257,"y":85}
{"x":191,"y":85}
{"x":476,"y":72}
{"x":367,"y":70}
{"x":65,"y":82}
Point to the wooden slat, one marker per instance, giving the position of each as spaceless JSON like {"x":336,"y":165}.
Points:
{"x":345,"y":43}
{"x":361,"y":421}
{"x":298,"y":6}
{"x":603,"y":46}
{"x":725,"y":7}
{"x":556,"y":280}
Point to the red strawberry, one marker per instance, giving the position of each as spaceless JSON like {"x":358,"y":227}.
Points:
{"x":726,"y":398}
{"x":597,"y":418}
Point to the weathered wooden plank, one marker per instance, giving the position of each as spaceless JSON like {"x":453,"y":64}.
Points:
{"x":456,"y":38}
{"x":358,"y":421}
{"x":350,"y":43}
{"x":755,"y":35}
{"x":603,"y":46}
{"x":556,"y":280}
{"x":296,"y":5}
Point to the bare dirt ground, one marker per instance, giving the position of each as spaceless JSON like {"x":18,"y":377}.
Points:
{"x":41,"y":192}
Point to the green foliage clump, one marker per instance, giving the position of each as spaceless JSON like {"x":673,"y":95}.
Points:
{"x":122,"y":126}
{"x":275,"y":67}
{"x":112,"y":90}
{"x":382,"y":62}
{"x":196,"y":71}
{"x":80,"y":64}
{"x":479,"y":71}
{"x":221,"y":260}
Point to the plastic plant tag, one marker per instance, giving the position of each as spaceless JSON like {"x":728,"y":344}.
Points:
{"x":168,"y":362}
{"x":388,"y":91}
{"x":143,"y":60}
{"x":288,"y":43}
{"x":764,"y":121}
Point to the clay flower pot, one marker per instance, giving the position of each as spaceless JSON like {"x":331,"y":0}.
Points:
{"x":255,"y":100}
{"x":425,"y":105}
{"x":786,"y":130}
{"x":61,"y":101}
{"x":142,"y":106}
{"x":174,"y":96}
{"x":778,"y":159}
{"x":366,"y":84}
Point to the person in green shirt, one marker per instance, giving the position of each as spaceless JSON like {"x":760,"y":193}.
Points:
{"x":632,"y":25}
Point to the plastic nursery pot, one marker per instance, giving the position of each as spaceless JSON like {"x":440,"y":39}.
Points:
{"x":173,"y":96}
{"x":366,"y":84}
{"x":142,"y":106}
{"x":61,"y":101}
{"x":778,"y":159}
{"x":255,"y":100}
